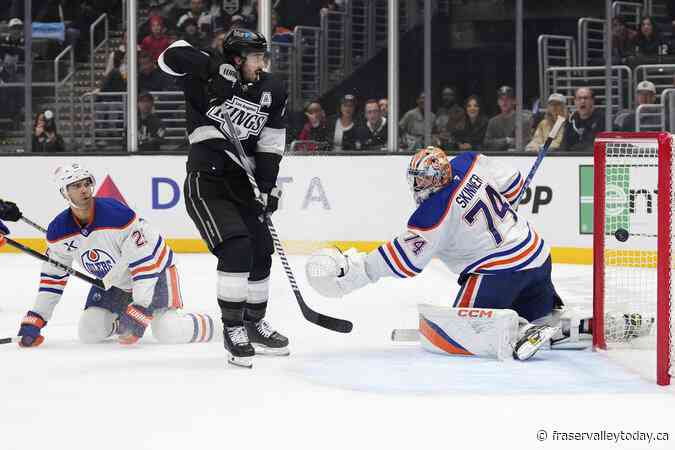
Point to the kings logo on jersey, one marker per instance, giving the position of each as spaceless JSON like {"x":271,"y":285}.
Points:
{"x":97,"y":262}
{"x":246,"y":117}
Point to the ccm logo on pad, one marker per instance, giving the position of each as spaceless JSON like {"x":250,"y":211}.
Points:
{"x":474,"y":313}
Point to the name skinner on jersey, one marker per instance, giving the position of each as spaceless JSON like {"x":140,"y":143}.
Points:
{"x":245,"y":115}
{"x":469,"y":190}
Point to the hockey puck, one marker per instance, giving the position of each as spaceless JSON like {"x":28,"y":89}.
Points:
{"x":621,"y":235}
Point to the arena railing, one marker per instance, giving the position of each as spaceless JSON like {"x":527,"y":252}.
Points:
{"x":102,"y":19}
{"x":554,"y":51}
{"x":630,"y":12}
{"x":566,"y":80}
{"x":69,"y":56}
{"x":591,"y":37}
{"x":336,"y":48}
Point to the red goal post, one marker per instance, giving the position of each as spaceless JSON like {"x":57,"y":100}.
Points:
{"x":632,"y":256}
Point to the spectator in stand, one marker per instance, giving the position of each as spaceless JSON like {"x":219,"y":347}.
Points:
{"x":648,"y":40}
{"x":623,"y":40}
{"x":342,"y":130}
{"x":373,"y":134}
{"x":448,"y":117}
{"x":279,"y":32}
{"x":670,"y":11}
{"x":191,"y":34}
{"x":157,"y":41}
{"x":501,"y":130}
{"x":151,"y":130}
{"x":238,"y":21}
{"x":412,"y":125}
{"x":557,"y":107}
{"x":201,"y":17}
{"x":150,"y":78}
{"x":471,"y":132}
{"x":646,"y":95}
{"x":46,"y":139}
{"x":584,"y":124}
{"x":383,"y":103}
{"x":315,"y":129}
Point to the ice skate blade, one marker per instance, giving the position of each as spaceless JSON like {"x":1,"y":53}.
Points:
{"x":270,"y":351}
{"x":240,"y":361}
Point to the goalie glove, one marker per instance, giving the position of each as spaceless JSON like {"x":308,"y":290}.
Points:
{"x":335,"y":274}
{"x":31,"y":325}
{"x":132,"y":323}
{"x":9,"y":211}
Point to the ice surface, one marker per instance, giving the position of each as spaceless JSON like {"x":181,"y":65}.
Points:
{"x":335,"y":391}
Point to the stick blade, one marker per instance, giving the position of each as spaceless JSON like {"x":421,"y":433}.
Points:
{"x":322,"y":320}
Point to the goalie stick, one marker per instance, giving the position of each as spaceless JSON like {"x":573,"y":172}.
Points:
{"x":331,"y":323}
{"x":412,"y":334}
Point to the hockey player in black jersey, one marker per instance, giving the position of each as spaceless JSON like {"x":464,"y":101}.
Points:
{"x":218,"y":194}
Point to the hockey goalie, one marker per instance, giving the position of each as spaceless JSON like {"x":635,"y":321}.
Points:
{"x":465,"y":216}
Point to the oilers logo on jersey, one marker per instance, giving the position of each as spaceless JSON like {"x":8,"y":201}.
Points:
{"x":97,"y":262}
{"x":246,"y":117}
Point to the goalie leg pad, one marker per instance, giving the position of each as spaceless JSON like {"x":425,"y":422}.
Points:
{"x":96,"y":325}
{"x":468,"y":331}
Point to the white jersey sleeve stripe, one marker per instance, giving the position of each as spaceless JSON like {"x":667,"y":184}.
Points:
{"x":391,"y":252}
{"x":513,"y":259}
{"x":389,"y":263}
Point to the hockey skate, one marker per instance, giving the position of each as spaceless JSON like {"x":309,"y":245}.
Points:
{"x":532,"y":337}
{"x":266,"y":340}
{"x":238,"y":347}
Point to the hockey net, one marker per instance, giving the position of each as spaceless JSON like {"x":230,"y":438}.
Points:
{"x":632,"y":267}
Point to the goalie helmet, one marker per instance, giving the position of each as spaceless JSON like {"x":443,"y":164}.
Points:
{"x":64,"y":176}
{"x":428,"y":172}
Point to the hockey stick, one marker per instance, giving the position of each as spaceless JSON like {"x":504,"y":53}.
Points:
{"x":540,"y":157}
{"x":411,"y":334}
{"x":114,"y":274}
{"x":331,"y":323}
{"x":5,"y":240}
{"x":9,"y":340}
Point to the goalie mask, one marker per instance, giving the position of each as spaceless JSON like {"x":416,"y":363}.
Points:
{"x":428,"y":172}
{"x":64,"y":176}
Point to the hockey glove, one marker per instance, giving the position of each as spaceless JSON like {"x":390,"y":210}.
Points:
{"x":9,"y":211}
{"x":271,"y":201}
{"x":224,"y":79}
{"x":132,"y":323}
{"x":30,"y":330}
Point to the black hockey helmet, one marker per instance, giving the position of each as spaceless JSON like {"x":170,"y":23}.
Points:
{"x":240,"y":42}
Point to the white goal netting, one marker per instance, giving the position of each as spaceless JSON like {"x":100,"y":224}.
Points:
{"x":631,"y":282}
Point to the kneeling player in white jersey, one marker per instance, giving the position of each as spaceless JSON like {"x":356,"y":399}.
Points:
{"x":101,"y":233}
{"x":465,"y":218}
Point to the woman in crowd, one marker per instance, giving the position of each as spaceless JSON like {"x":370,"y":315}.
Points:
{"x":648,"y":39}
{"x":470,"y":134}
{"x":556,"y":107}
{"x":343,"y":130}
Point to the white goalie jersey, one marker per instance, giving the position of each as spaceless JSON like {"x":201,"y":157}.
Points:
{"x":468,"y":224}
{"x":114,"y":235}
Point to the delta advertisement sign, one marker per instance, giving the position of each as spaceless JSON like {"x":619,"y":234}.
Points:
{"x":325,"y":199}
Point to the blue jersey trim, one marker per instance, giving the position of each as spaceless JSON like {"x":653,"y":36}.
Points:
{"x":53,"y":291}
{"x":526,"y":241}
{"x":512,"y":185}
{"x":391,"y":267}
{"x":405,"y":257}
{"x":54,"y":277}
{"x":147,"y":258}
{"x":108,"y":213}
